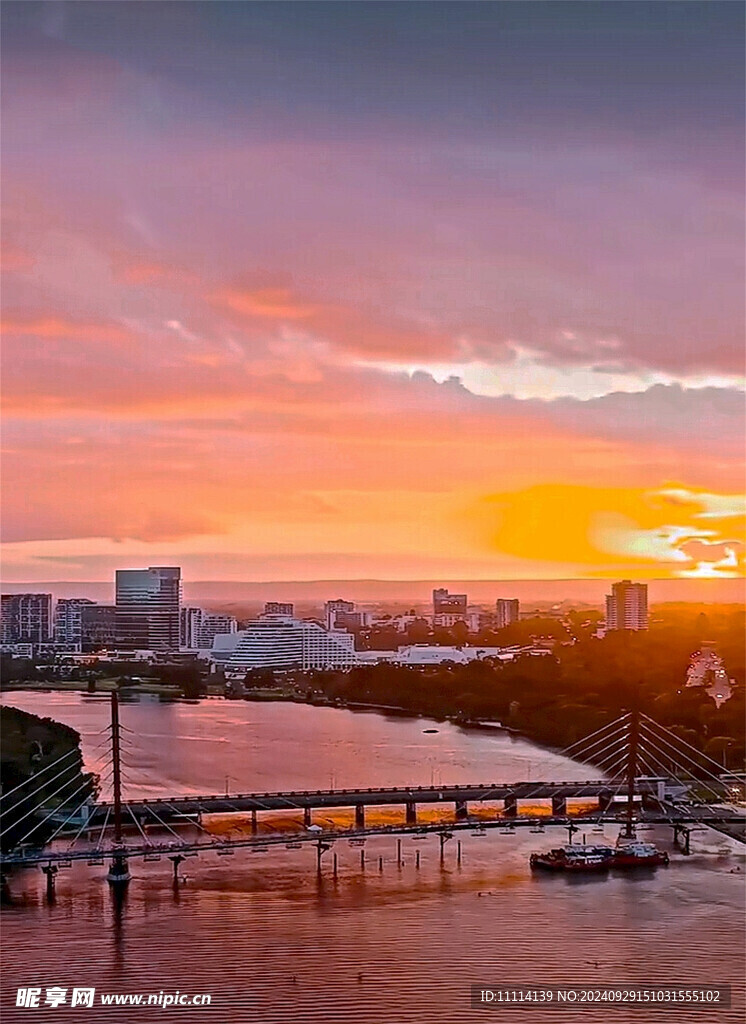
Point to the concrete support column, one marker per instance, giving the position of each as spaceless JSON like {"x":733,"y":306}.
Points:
{"x":411,"y":809}
{"x":604,"y":799}
{"x":119,"y":873}
{"x":511,"y":805}
{"x":306,"y":816}
{"x":462,"y":810}
{"x":559,"y":806}
{"x":360,"y":816}
{"x":50,"y":870}
{"x":254,"y":824}
{"x":176,"y":860}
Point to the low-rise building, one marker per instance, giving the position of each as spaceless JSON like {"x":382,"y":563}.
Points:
{"x":283,"y":642}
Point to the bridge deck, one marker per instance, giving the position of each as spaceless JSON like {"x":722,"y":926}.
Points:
{"x":713,"y":817}
{"x":166,"y":807}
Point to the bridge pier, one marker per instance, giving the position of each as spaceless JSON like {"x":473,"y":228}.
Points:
{"x":678,"y":832}
{"x":321,"y":849}
{"x":360,"y":816}
{"x":119,"y":873}
{"x":307,"y":816}
{"x":604,"y":799}
{"x":176,"y":860}
{"x":411,"y":812}
{"x":50,"y":870}
{"x":254,"y":824}
{"x":559,"y":806}
{"x":510,"y":805}
{"x":462,"y":810}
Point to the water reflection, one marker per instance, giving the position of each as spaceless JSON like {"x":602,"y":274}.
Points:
{"x":400,"y":944}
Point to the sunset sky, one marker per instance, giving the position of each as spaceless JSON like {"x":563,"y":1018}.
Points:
{"x":352,"y":290}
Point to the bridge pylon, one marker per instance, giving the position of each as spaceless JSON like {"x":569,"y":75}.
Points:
{"x":118,"y":873}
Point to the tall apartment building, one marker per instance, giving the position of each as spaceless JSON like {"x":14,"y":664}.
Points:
{"x":336,"y":608}
{"x":25,"y":618}
{"x":200,"y":627}
{"x":148,"y":603}
{"x":507,"y":610}
{"x":68,"y":622}
{"x":282,"y":642}
{"x":339,"y":614}
{"x":213,"y":624}
{"x":279,"y":608}
{"x":190,"y":618}
{"x":99,"y":626}
{"x":448,"y":609}
{"x":627,"y":606}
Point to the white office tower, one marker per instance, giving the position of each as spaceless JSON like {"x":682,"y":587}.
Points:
{"x":282,"y":642}
{"x":507,"y":610}
{"x":627,"y":606}
{"x":68,"y":622}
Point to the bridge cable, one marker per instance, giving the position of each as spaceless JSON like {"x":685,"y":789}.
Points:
{"x":36,"y":808}
{"x":48,"y":816}
{"x":162,"y":822}
{"x":103,"y":828}
{"x":688,"y":746}
{"x":139,"y":826}
{"x":660,"y":739}
{"x":686,"y":771}
{"x":77,"y":834}
{"x":614,"y":747}
{"x":35,"y":776}
{"x":570,"y":752}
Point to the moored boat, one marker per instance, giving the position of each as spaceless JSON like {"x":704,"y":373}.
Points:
{"x":639,"y":855}
{"x":574,"y":858}
{"x":582,"y":857}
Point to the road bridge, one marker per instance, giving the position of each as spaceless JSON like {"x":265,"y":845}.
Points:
{"x":120,"y":830}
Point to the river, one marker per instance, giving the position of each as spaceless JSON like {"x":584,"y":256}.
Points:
{"x":272,"y":942}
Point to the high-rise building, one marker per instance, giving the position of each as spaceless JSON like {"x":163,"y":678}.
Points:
{"x":333,"y":609}
{"x":199,"y":627}
{"x":282,"y":642}
{"x":98,"y":626}
{"x":68,"y":622}
{"x":190,"y":618}
{"x":211,"y":625}
{"x":148,"y":606}
{"x":507,"y":610}
{"x":26,"y":618}
{"x":341,"y":614}
{"x":448,"y":609}
{"x":278,"y":608}
{"x":627,"y":606}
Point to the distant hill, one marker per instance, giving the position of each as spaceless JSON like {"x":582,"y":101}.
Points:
{"x":406,"y":592}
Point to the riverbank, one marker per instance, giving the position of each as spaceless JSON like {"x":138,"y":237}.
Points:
{"x":107,"y":686}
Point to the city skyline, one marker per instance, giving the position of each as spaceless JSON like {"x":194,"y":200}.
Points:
{"x":362,"y":291}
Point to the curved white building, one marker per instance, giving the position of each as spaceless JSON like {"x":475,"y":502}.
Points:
{"x":282,"y":642}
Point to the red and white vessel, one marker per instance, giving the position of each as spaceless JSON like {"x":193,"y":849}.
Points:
{"x":632,"y":853}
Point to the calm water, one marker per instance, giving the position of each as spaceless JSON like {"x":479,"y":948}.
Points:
{"x":272,"y":942}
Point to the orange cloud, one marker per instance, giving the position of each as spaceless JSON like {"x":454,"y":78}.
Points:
{"x":274,"y":303}
{"x":60,"y":328}
{"x":666,"y":531}
{"x":348,"y":327}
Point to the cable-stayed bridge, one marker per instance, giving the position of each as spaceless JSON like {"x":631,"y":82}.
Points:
{"x":645,"y":776}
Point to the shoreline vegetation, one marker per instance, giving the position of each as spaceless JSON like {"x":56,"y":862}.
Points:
{"x":579,"y":685}
{"x":32,"y":746}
